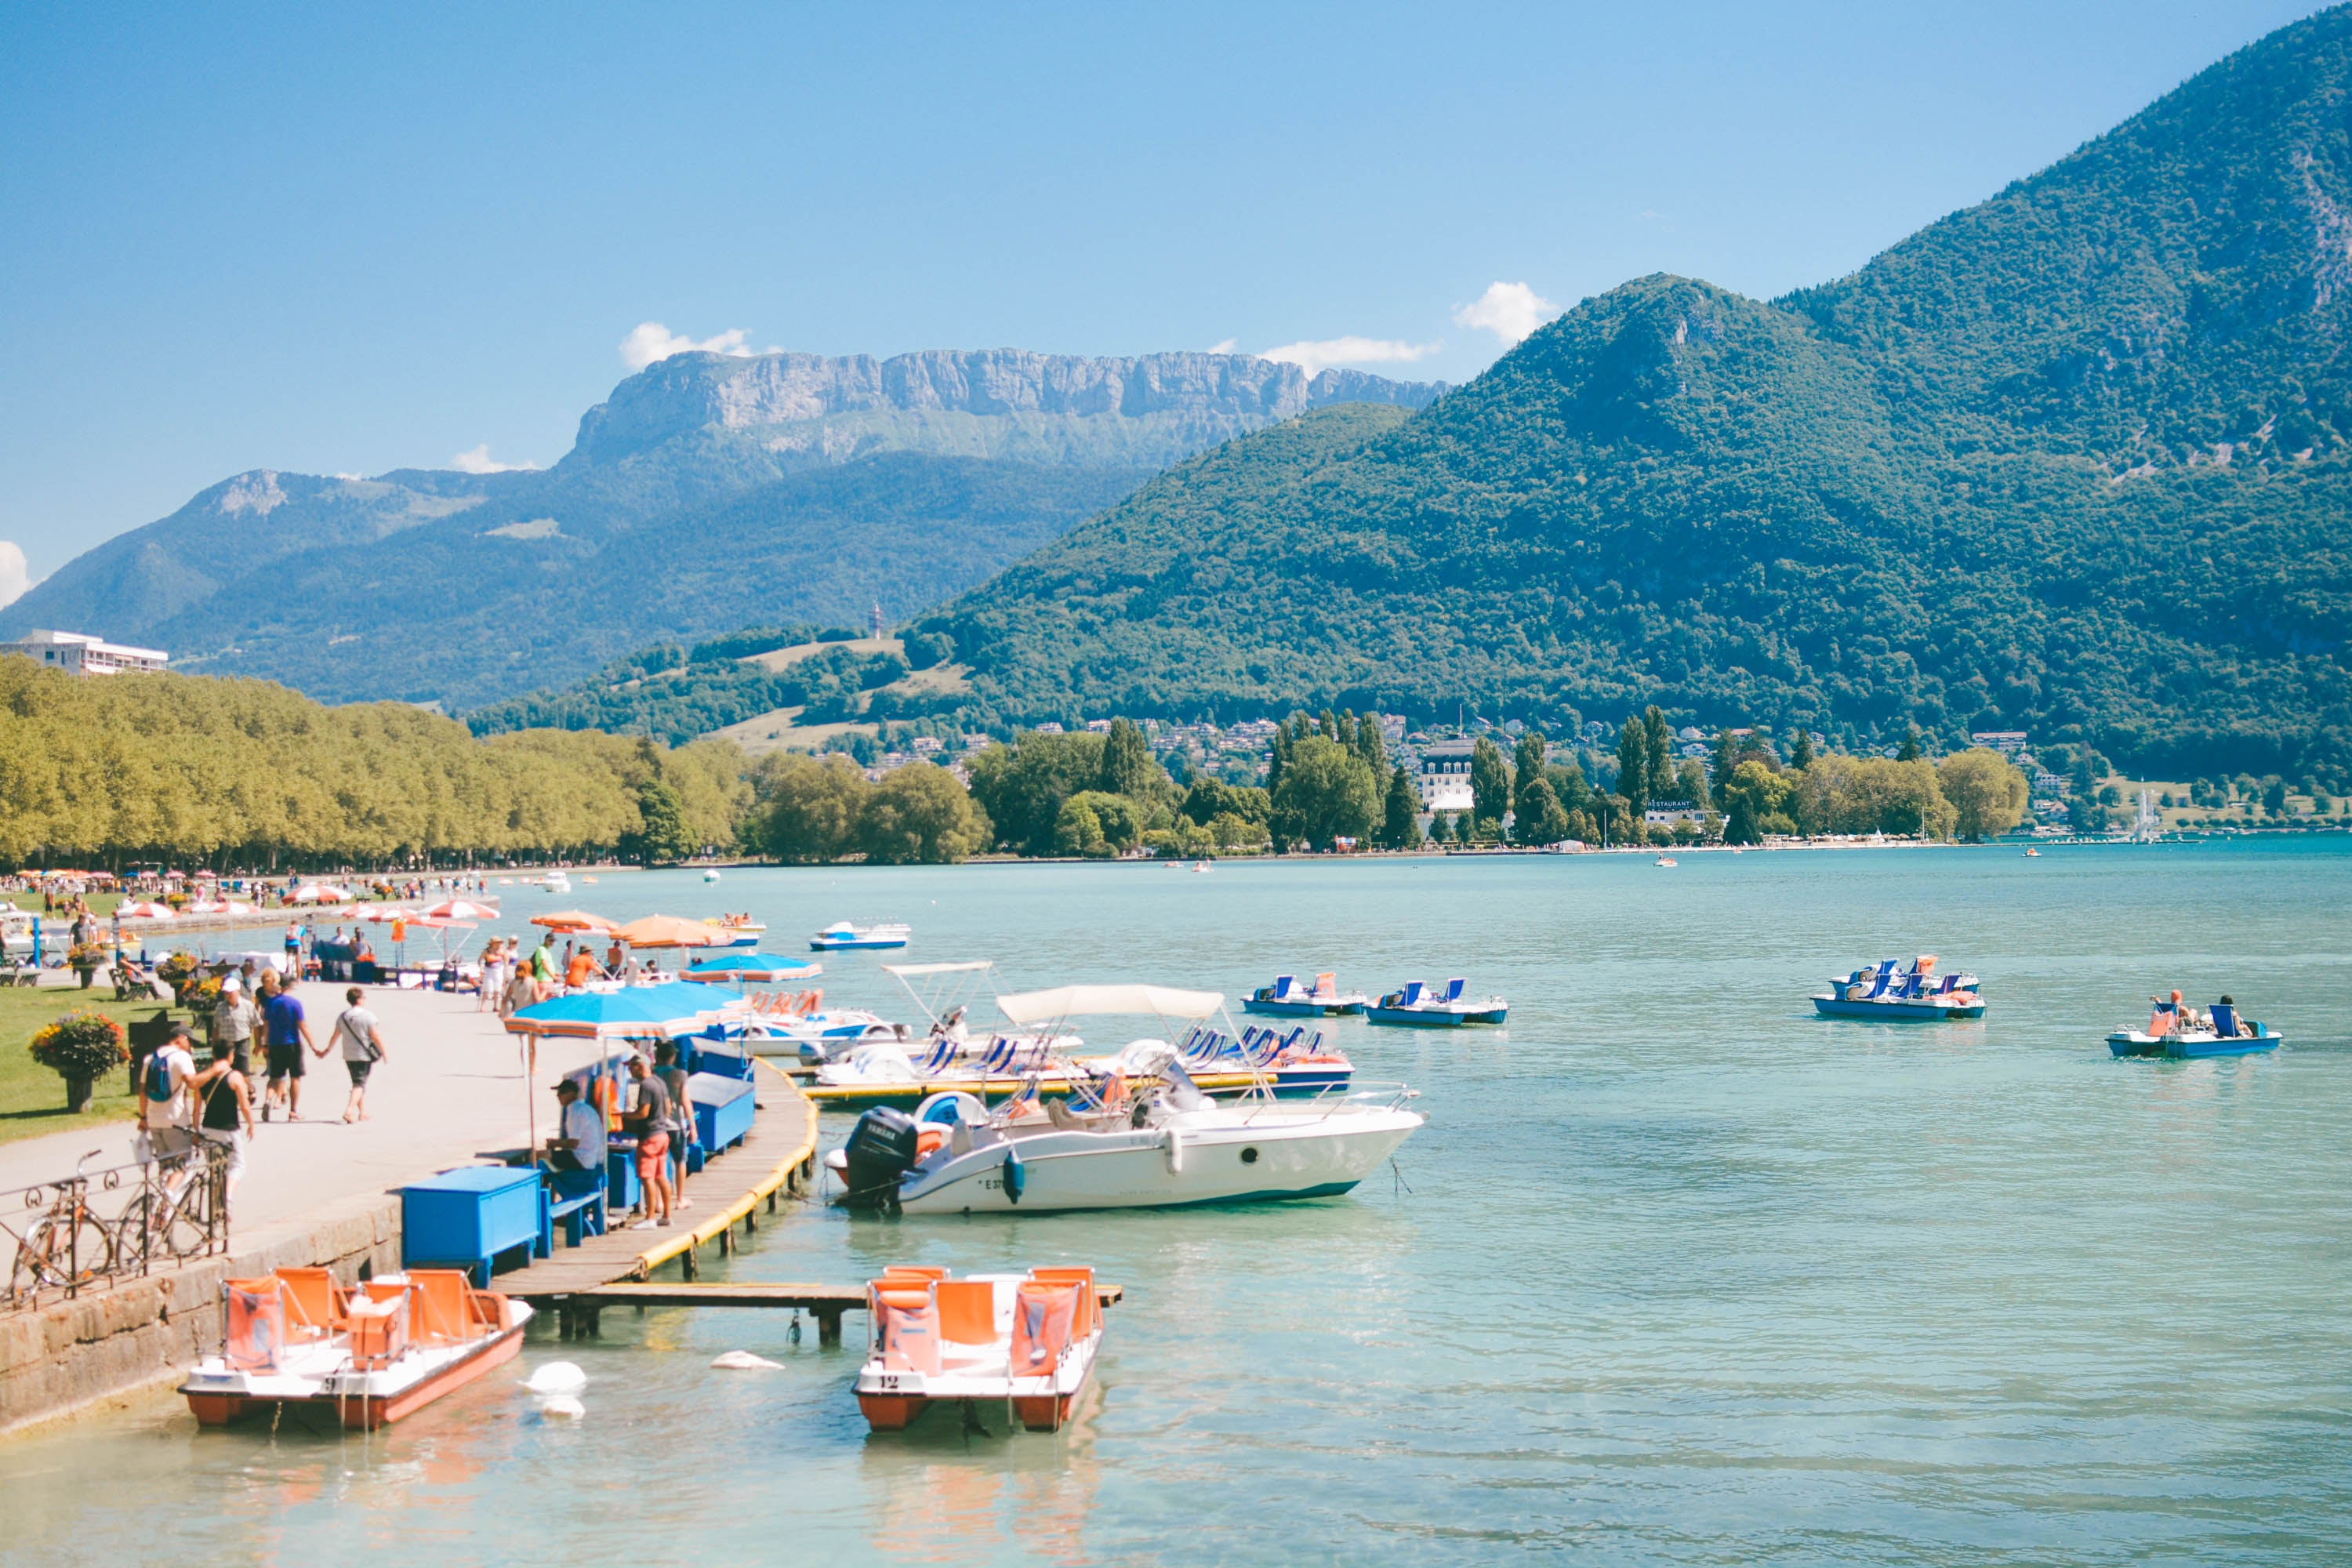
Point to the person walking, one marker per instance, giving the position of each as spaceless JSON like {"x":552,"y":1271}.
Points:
{"x":234,"y":1017}
{"x":227,"y":1115}
{"x":293,"y":951}
{"x":649,"y":1125}
{"x":286,"y":1034}
{"x":523,"y":991}
{"x":168,"y":1085}
{"x":363,"y":1047}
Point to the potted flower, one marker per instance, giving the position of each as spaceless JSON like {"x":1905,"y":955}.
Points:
{"x":78,"y":1047}
{"x":178,"y":971}
{"x":85,"y":959}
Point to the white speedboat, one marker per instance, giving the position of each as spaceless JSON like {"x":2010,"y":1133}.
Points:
{"x":843,"y":937}
{"x":820,"y":1035}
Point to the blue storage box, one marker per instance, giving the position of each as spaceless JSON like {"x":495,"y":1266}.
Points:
{"x":719,"y":1061}
{"x":722,"y":1109}
{"x":466,"y":1218}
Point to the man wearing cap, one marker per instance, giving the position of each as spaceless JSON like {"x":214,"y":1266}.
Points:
{"x":234,"y":1017}
{"x":168,"y":1087}
{"x":582,"y":1146}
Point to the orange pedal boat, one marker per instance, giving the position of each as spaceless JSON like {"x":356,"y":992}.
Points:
{"x":1023,"y":1341}
{"x":370,"y":1352}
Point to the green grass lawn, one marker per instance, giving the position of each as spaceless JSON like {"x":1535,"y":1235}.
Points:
{"x":101,"y":904}
{"x":32,"y":1098}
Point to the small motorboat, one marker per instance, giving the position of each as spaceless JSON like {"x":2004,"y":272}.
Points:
{"x":1130,"y":1143}
{"x":1916,"y":995}
{"x":1287,"y":999}
{"x":1024,"y":1344}
{"x":1419,"y":1007}
{"x":844,"y":937}
{"x":745,"y":931}
{"x":1667,"y":860}
{"x":364,"y":1355}
{"x":2179,"y":1034}
{"x":2033,"y":853}
{"x":708,"y":877}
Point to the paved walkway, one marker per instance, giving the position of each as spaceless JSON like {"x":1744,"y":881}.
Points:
{"x":451,"y":1085}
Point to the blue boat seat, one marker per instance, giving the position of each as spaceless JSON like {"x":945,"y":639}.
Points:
{"x":1454,"y":989}
{"x":2225,"y":1019}
{"x":1413,"y":992}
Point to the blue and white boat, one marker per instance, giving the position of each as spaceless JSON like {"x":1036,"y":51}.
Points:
{"x":1916,"y":995}
{"x":842,"y":937}
{"x":1419,"y":1006}
{"x":2174,"y":1036}
{"x":1286,"y":998}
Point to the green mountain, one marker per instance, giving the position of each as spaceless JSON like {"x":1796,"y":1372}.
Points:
{"x":708,"y":492}
{"x":2076,"y":460}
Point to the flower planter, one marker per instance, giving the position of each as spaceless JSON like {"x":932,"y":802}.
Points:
{"x":85,"y":975}
{"x":77,"y":1093}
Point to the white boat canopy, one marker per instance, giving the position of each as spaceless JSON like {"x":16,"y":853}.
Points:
{"x":906,"y":969}
{"x":1085,"y":1001}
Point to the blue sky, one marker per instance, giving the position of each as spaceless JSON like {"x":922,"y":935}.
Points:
{"x":309,"y":238}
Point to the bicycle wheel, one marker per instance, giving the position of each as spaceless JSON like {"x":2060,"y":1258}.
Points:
{"x":178,"y":1229}
{"x":58,"y":1251}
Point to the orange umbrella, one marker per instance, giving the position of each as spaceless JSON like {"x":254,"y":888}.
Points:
{"x":570,"y":920}
{"x":668,"y":930}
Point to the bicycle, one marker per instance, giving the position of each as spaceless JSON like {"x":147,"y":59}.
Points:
{"x":69,"y":1246}
{"x":173,"y":1211}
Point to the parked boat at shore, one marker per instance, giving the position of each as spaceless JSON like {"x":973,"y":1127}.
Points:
{"x":365,"y":1355}
{"x":1156,"y":1144}
{"x":1286,"y":998}
{"x":1912,"y":996}
{"x":1024,"y":1342}
{"x":1418,"y":1007}
{"x":844,"y":937}
{"x":2180,"y":1034}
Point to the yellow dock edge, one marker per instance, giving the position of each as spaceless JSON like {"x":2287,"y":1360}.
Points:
{"x":999,"y":1087}
{"x":709,"y":1229}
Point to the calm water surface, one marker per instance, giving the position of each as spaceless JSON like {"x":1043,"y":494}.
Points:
{"x":1677,"y":1272}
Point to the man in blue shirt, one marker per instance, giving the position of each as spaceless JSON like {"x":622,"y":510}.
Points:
{"x":285,"y":1033}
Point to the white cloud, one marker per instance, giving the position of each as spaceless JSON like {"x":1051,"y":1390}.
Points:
{"x":479,"y":462}
{"x":1509,"y":310}
{"x":14,"y":576}
{"x":1313,"y":357}
{"x":651,"y":342}
{"x":1225,"y":347}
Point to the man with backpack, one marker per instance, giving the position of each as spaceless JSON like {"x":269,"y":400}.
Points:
{"x":168,"y":1089}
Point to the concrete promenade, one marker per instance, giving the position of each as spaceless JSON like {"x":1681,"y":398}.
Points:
{"x":451,"y":1085}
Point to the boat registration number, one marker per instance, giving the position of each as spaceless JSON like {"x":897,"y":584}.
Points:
{"x":890,"y":1382}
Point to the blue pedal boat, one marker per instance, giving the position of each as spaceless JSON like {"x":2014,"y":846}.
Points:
{"x":1418,"y":1007}
{"x":1916,"y":995}
{"x":1286,"y":998}
{"x":843,"y":937}
{"x":2229,"y":1035}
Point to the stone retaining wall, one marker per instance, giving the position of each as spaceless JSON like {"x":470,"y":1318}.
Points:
{"x":111,"y":1344}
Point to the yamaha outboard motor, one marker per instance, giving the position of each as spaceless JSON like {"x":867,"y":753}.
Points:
{"x":880,"y":1149}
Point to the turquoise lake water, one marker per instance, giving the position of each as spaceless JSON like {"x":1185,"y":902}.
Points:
{"x":1676,"y":1273}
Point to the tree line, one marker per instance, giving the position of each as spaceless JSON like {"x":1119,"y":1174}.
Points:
{"x":193,"y":769}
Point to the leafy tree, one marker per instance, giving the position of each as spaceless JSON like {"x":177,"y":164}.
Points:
{"x":1441,"y":827}
{"x":1801,"y":750}
{"x":662,"y":838}
{"x":1529,"y":766}
{"x":2274,"y":797}
{"x":1726,"y":757}
{"x":1756,"y":799}
{"x":1231,"y":830}
{"x":1870,"y":795}
{"x":1400,"y":813}
{"x":1633,"y":766}
{"x":810,"y":807}
{"x":918,"y":815}
{"x":1540,"y":818}
{"x":1690,"y":784}
{"x":1986,"y":792}
{"x":1659,"y":773}
{"x":1127,"y":764}
{"x":1490,"y":785}
{"x":1021,"y":787}
{"x":1910,"y":749}
{"x":1210,"y":798}
{"x":1078,"y":831}
{"x":1326,"y":793}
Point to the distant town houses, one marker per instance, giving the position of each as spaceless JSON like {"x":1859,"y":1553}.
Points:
{"x":81,"y":654}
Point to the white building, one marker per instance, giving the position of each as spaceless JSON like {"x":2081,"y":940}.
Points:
{"x":86,"y":654}
{"x":1667,"y":813}
{"x":1445,"y":775}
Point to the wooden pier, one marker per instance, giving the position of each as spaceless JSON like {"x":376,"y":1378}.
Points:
{"x":778,"y":1157}
{"x":825,"y":1303}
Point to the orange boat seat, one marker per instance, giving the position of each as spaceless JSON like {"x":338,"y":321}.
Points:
{"x":444,"y":1304}
{"x":313,"y":1302}
{"x":1090,"y":1303}
{"x":967,"y":1312}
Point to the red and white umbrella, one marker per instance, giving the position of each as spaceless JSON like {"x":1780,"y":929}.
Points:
{"x":462,"y":910}
{"x":319,"y":894}
{"x":219,"y":907}
{"x":144,"y":909}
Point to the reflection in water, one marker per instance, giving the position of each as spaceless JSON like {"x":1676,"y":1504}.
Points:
{"x":1677,"y":1272}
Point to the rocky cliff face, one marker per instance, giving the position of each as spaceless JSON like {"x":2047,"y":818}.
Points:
{"x":1154,"y":408}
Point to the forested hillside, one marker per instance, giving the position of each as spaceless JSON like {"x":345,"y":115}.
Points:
{"x":2078,"y":460}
